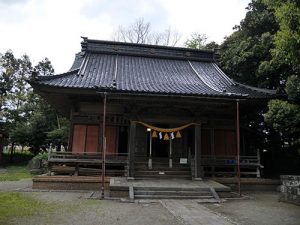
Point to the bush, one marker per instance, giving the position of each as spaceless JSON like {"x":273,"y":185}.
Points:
{"x":41,"y":156}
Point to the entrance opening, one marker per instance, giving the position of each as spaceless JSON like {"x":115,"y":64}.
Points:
{"x":160,"y":147}
{"x":123,"y":139}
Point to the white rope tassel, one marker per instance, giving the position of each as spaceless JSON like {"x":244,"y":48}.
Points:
{"x":160,"y":135}
{"x":172,"y":135}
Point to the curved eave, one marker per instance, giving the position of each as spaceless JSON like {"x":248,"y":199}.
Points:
{"x":92,"y":91}
{"x":51,"y":77}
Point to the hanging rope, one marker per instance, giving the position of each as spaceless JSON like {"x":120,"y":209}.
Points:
{"x":165,"y":130}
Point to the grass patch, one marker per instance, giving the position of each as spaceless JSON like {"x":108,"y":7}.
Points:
{"x":15,"y":205}
{"x":15,"y":173}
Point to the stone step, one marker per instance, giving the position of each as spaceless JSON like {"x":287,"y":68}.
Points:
{"x":171,"y":197}
{"x":173,"y":193}
{"x":168,"y":188}
{"x":180,"y":170}
{"x":161,"y":163}
{"x":162,"y":172}
{"x":164,"y":176}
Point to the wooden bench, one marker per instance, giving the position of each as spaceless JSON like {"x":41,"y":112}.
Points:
{"x":86,"y":163}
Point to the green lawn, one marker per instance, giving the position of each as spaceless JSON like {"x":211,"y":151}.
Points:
{"x":14,"y":173}
{"x":16,"y":205}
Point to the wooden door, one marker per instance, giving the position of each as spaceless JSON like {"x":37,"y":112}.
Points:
{"x":92,"y":138}
{"x":111,"y":139}
{"x":86,"y":139}
{"x":79,"y":138}
{"x":225,"y":142}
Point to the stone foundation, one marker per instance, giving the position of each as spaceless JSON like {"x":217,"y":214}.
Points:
{"x":290,"y":189}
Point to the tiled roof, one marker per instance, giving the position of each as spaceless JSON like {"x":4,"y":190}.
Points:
{"x":124,"y":67}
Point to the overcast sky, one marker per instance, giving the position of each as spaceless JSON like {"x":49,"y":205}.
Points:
{"x":52,"y":28}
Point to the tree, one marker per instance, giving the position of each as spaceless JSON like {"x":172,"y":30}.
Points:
{"x":284,"y":115}
{"x":197,"y":41}
{"x":60,"y":135}
{"x":140,"y":32}
{"x":27,"y":118}
{"x":14,"y":72}
{"x":44,"y":67}
{"x":245,"y":54}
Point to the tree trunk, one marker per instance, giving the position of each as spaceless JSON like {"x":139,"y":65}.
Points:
{"x":11,"y":158}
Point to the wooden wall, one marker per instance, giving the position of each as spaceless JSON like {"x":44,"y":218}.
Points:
{"x":219,"y":142}
{"x":86,"y":138}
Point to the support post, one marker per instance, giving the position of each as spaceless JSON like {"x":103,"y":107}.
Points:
{"x":170,"y":154}
{"x":150,"y":149}
{"x":70,"y":140}
{"x":131,"y":148}
{"x":103,"y":145}
{"x":258,"y":161}
{"x":238,"y":145}
{"x":198,"y":169}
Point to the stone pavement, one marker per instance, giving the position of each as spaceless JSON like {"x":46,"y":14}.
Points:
{"x":179,"y":183}
{"x":191,"y":213}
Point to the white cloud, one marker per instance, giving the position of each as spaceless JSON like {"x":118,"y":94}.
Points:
{"x":215,"y":18}
{"x":52,"y":28}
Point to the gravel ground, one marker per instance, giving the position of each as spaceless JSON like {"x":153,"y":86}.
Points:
{"x":261,"y":208}
{"x":15,"y":185}
{"x":75,"y":208}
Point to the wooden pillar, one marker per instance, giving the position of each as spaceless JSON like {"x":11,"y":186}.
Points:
{"x":238,"y":145}
{"x":70,"y":141}
{"x":213,"y":153}
{"x":198,"y":168}
{"x":103,"y":145}
{"x":212,"y":145}
{"x":150,"y":149}
{"x":131,"y":148}
{"x":170,"y":154}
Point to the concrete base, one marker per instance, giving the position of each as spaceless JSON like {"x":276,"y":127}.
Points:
{"x":120,"y":185}
{"x":150,"y":164}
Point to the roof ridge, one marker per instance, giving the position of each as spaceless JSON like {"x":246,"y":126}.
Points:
{"x":147,"y":45}
{"x":145,"y":50}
